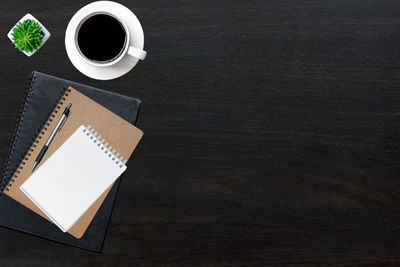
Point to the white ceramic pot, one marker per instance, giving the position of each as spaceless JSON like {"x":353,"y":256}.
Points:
{"x":46,"y":33}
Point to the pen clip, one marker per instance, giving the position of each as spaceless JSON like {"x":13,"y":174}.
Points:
{"x":63,"y":122}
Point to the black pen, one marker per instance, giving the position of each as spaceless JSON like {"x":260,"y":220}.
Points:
{"x":58,"y":127}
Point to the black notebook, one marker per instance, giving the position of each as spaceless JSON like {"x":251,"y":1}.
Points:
{"x":41,"y":96}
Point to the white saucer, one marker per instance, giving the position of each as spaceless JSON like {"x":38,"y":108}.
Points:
{"x":126,"y":63}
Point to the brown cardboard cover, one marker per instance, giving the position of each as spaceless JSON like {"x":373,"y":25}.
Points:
{"x":120,"y":134}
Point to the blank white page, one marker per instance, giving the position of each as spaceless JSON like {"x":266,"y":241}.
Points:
{"x":72,"y":179}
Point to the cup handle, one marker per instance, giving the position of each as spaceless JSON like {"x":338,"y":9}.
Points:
{"x":136,"y":52}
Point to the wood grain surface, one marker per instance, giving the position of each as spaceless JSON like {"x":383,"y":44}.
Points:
{"x":271,"y":134}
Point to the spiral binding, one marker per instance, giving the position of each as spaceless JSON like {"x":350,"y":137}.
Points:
{"x":7,"y":180}
{"x":104,"y":146}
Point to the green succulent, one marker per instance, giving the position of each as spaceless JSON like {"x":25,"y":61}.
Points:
{"x":27,"y":36}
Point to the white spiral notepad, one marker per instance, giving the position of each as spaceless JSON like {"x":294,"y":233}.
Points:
{"x":72,"y":179}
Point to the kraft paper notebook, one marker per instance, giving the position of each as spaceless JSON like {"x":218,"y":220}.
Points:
{"x":41,"y":98}
{"x":122,"y":135}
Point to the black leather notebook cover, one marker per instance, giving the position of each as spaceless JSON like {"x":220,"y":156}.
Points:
{"x":41,"y":96}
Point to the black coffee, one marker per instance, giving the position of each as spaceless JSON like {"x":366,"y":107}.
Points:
{"x":101,"y":38}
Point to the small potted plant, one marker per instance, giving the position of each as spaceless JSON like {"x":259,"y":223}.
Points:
{"x":28,"y":35}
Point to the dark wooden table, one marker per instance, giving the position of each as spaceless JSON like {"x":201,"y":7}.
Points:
{"x":271,"y":134}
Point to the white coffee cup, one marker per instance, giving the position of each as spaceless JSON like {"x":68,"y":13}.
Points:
{"x":127,"y":50}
